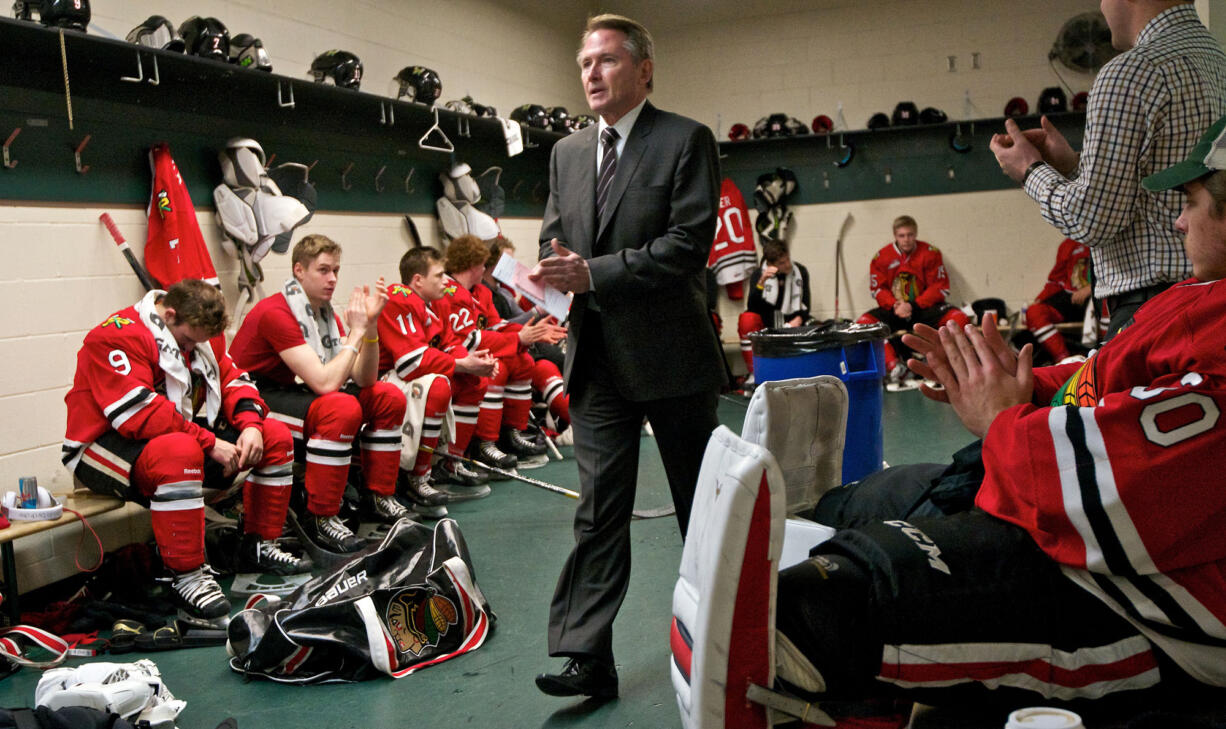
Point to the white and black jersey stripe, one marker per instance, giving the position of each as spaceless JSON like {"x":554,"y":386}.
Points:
{"x":131,"y":403}
{"x":406,"y":365}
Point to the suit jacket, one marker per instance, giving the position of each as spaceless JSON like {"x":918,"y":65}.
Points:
{"x":648,"y":255}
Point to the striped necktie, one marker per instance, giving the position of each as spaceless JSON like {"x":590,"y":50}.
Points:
{"x":608,"y":167}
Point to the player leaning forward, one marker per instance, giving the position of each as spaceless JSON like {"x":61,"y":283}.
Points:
{"x":156,"y":411}
{"x":295,"y":333}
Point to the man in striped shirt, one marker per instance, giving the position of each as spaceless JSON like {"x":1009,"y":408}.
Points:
{"x":1082,"y":554}
{"x":1147,"y":107}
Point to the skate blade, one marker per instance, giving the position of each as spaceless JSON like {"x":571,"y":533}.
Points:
{"x":214,"y":624}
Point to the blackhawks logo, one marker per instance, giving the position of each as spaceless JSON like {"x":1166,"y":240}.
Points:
{"x":117,"y":321}
{"x":164,"y":203}
{"x":450,"y":289}
{"x":418,"y":618}
{"x":400,"y":290}
{"x":1081,"y":390}
{"x":905,"y":287}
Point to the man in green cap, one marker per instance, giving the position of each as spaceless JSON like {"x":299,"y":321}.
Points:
{"x":1083,"y":553}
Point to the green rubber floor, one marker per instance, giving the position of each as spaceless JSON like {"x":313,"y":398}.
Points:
{"x":519,"y":538}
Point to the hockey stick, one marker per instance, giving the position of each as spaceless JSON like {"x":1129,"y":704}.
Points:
{"x":145,"y":279}
{"x":408,"y":221}
{"x":637,"y":513}
{"x":838,"y":260}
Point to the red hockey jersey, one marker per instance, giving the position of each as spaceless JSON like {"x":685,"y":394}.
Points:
{"x":120,"y":386}
{"x":412,"y":338}
{"x":1071,"y":272}
{"x":174,"y":250}
{"x":919,"y":278}
{"x":732,"y":256}
{"x":1119,"y":479}
{"x":475,"y":323}
{"x":269,"y":329}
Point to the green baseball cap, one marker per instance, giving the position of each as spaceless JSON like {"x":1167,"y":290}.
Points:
{"x":1209,"y":155}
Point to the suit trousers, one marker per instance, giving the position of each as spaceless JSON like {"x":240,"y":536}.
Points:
{"x":608,"y":429}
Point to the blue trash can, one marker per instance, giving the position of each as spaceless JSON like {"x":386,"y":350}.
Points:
{"x":854,"y":353}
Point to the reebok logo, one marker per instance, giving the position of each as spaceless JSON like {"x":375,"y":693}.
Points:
{"x":924,"y":543}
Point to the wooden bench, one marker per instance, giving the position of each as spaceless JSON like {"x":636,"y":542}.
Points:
{"x":86,"y":502}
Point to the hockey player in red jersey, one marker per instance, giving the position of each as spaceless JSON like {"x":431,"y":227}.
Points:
{"x":295,"y":334}
{"x":474,"y":320}
{"x":418,"y":351}
{"x":779,"y":296}
{"x":1083,"y":553}
{"x":909,"y":282}
{"x":156,"y":412}
{"x":1063,"y":298}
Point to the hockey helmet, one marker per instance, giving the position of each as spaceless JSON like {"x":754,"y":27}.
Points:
{"x":559,"y":119}
{"x":932,"y":115}
{"x":72,"y":14}
{"x":342,"y":67}
{"x":419,"y":84}
{"x":822,"y":124}
{"x":157,"y":32}
{"x":533,"y":115}
{"x":878,"y":121}
{"x":1052,"y":99}
{"x":738,"y":132}
{"x":581,"y":121}
{"x":1017,"y":106}
{"x":248,"y":51}
{"x":1080,"y":101}
{"x":206,"y":37}
{"x":774,"y":125}
{"x":905,"y":114}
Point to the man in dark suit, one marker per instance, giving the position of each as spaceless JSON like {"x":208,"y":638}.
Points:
{"x":628,"y":228}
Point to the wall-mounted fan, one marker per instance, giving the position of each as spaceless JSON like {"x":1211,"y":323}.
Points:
{"x":1084,"y":43}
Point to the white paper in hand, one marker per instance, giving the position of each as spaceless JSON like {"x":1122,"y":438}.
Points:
{"x":515,"y":274}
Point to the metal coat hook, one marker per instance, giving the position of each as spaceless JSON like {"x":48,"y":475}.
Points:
{"x":345,"y":184}
{"x":387,"y":113}
{"x":10,"y":163}
{"x":437,"y":148}
{"x":515,"y":189}
{"x":76,"y":155}
{"x":536,"y":193}
{"x":281,"y":97}
{"x":889,"y":176}
{"x":268,"y":164}
{"x":950,"y":171}
{"x":379,"y":178}
{"x":312,"y":166}
{"x":463,"y":126}
{"x":826,"y":180}
{"x":408,"y":188}
{"x":153,"y":80}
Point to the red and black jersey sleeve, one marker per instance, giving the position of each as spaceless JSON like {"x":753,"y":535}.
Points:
{"x":411,"y":337}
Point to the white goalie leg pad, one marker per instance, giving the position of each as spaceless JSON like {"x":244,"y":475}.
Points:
{"x":803,"y":423}
{"x":450,"y":219}
{"x":274,"y":215}
{"x":415,"y":392}
{"x":235,"y":216}
{"x":480,"y":224}
{"x":127,"y":689}
{"x":723,"y":631}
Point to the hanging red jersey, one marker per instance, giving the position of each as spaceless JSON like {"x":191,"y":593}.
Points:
{"x":732,"y":254}
{"x":175,"y":249}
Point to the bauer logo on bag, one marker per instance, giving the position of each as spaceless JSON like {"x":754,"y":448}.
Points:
{"x":418,"y":619}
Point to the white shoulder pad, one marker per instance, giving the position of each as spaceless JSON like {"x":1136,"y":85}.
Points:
{"x":242,"y":162}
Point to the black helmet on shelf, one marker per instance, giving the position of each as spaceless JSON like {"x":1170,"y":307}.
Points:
{"x":778,"y":125}
{"x":533,"y":115}
{"x":932,"y":115}
{"x":342,"y":67}
{"x":581,"y":121}
{"x":559,"y":119}
{"x":248,"y":51}
{"x":206,"y":37}
{"x":878,"y":121}
{"x":157,"y":32}
{"x":1052,"y":99}
{"x":73,"y":14}
{"x":419,"y":84}
{"x":905,"y":114}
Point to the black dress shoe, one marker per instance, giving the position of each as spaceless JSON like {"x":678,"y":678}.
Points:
{"x":581,"y":677}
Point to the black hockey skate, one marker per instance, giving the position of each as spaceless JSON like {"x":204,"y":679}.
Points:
{"x":488,"y":453}
{"x":460,"y":481}
{"x":265,"y":556}
{"x":199,"y":598}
